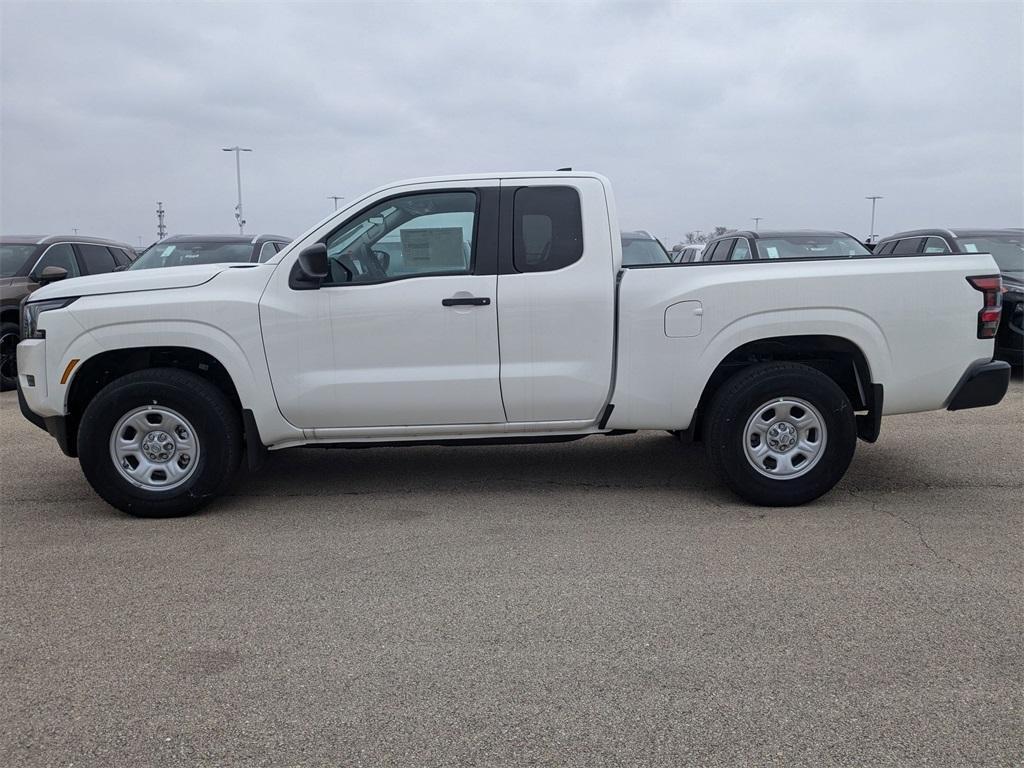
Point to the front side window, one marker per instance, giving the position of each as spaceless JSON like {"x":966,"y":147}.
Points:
{"x":907,"y":245}
{"x":419,"y":234}
{"x":741,"y":251}
{"x":61,"y":255}
{"x":548,"y":228}
{"x":1007,"y":250}
{"x":810,"y":247}
{"x":97,"y":259}
{"x":885,"y":248}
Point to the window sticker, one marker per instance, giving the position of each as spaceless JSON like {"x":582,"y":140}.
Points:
{"x":970,"y":247}
{"x":439,"y":248}
{"x":773,"y":252}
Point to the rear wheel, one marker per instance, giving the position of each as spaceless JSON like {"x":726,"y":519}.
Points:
{"x":780,"y":434}
{"x":9,"y":338}
{"x":159,"y":443}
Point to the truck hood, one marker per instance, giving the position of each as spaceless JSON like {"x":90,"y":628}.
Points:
{"x":133,"y":280}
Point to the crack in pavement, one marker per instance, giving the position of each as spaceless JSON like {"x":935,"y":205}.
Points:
{"x":917,"y":527}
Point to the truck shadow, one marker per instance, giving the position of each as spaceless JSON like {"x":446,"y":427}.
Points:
{"x":639,"y":462}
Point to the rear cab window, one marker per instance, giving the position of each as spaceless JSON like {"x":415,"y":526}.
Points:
{"x":547,"y":228}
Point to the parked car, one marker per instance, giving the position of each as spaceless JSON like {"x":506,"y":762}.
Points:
{"x":189,"y":250}
{"x":163,"y":381}
{"x":642,"y":247}
{"x":1006,"y":247}
{"x":23,"y":260}
{"x":688,"y":253}
{"x":747,"y":245}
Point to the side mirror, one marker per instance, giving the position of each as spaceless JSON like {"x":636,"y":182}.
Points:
{"x":310,"y":269}
{"x":51,"y":275}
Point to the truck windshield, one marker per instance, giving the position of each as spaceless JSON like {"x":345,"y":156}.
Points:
{"x":14,"y":258}
{"x":187,"y":254}
{"x":637,"y":251}
{"x":1007,"y":250}
{"x":809,"y":247}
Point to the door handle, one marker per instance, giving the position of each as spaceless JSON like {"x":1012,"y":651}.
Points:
{"x":469,"y":301}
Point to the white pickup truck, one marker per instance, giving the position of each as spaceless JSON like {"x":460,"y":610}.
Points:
{"x":480,"y":308}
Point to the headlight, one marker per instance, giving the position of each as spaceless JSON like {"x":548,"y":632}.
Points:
{"x":30,"y":312}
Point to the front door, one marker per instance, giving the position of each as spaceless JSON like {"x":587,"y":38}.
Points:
{"x":404,"y":332}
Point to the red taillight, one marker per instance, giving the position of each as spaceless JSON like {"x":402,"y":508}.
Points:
{"x":991,"y":287}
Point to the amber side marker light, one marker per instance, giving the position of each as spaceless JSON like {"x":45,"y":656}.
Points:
{"x":68,"y":370}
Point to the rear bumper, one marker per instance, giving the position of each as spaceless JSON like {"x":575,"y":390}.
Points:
{"x":980,"y":386}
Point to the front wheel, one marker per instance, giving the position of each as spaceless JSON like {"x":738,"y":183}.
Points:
{"x":780,"y":434}
{"x":159,"y":443}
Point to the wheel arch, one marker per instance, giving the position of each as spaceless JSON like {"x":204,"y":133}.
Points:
{"x":95,"y":372}
{"x":837,"y":357}
{"x":10,"y":315}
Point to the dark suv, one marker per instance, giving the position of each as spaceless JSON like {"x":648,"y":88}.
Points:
{"x":1006,"y":247}
{"x":185,"y":250}
{"x":23,"y":260}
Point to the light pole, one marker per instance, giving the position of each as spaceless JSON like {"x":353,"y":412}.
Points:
{"x":161,"y":230}
{"x":239,"y":217}
{"x":335,"y":198}
{"x":874,"y":199}
{"x":757,"y":221}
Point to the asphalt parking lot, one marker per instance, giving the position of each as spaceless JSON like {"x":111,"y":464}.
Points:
{"x":595,"y":603}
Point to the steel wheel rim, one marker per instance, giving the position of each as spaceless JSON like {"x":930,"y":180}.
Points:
{"x":9,"y":355}
{"x":785,"y":438}
{"x":154,"y":448}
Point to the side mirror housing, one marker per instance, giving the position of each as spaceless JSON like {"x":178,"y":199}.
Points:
{"x":51,"y":275}
{"x":311,"y":268}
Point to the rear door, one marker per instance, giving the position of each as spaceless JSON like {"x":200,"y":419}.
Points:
{"x":556,"y":299}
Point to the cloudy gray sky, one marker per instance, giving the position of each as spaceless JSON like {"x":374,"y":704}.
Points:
{"x":701,"y":114}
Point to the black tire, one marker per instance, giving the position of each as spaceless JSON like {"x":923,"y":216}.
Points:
{"x":9,"y":338}
{"x":215,"y":421}
{"x":736,"y":402}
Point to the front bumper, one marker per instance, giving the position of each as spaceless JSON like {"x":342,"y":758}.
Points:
{"x":980,"y":386}
{"x":32,"y":394}
{"x":57,"y":426}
